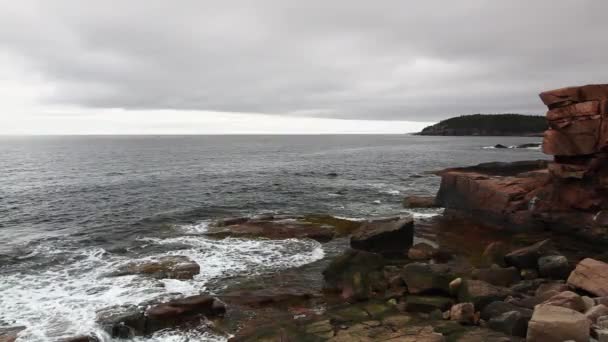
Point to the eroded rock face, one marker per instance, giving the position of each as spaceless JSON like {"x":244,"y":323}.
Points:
{"x":567,"y":194}
{"x":557,"y":324}
{"x":390,"y":238}
{"x":592,"y":276}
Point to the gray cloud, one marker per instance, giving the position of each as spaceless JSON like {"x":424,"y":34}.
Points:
{"x":391,"y":59}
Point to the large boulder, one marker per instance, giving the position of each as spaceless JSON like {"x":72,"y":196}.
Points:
{"x":554,"y":266}
{"x":427,"y":278}
{"x":353,"y":274}
{"x":511,"y":323}
{"x":125,"y":321}
{"x":497,"y":275}
{"x":389,"y":238}
{"x":167,"y":267}
{"x":592,"y":276}
{"x":481,"y":293}
{"x":557,"y":324}
{"x":527,"y":257}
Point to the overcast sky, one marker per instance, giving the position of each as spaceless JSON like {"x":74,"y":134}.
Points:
{"x":286,"y":66}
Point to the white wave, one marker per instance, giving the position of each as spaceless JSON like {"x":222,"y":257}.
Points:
{"x":424,"y":213}
{"x":196,"y":228}
{"x":61,"y":301}
{"x":392,"y":192}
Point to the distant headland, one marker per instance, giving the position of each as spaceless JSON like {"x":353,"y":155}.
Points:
{"x":489,"y":125}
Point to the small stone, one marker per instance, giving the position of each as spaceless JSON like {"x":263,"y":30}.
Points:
{"x":529,"y":274}
{"x":463,"y":313}
{"x":421,"y":251}
{"x":455,"y":286}
{"x":596,"y":312}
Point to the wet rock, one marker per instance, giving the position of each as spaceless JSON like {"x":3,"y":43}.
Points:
{"x":497,"y":275}
{"x":230,"y":221}
{"x":527,"y":286}
{"x":276,"y":230}
{"x":167,"y":267}
{"x":529,"y":145}
{"x":421,"y":251}
{"x":427,"y":304}
{"x":266,"y":297}
{"x":481,"y":293}
{"x":427,"y":278}
{"x":527,"y":257}
{"x":554,"y":267}
{"x":342,"y":226}
{"x":557,"y":324}
{"x":500,"y":146}
{"x":368,"y":332}
{"x":391,"y":238}
{"x":179,"y":311}
{"x":498,"y":308}
{"x":567,"y":299}
{"x":592,"y":276}
{"x":83,"y":338}
{"x":596,"y":312}
{"x":485,"y":335}
{"x":350,"y":273}
{"x":10,"y":334}
{"x":125,"y":321}
{"x":463,"y":313}
{"x":321,"y":329}
{"x":419,"y":202}
{"x":511,"y":323}
{"x":494,"y":254}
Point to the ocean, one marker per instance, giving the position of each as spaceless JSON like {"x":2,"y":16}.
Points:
{"x":75,"y":208}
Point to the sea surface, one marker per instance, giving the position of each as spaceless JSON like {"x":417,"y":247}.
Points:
{"x":73,"y":209}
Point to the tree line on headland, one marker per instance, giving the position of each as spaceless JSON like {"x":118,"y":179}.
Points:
{"x":489,"y":125}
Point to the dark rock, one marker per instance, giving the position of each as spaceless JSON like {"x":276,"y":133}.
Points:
{"x":554,"y":266}
{"x":10,"y":334}
{"x":167,"y":267}
{"x":527,"y":286}
{"x":230,"y":221}
{"x":500,"y":146}
{"x":350,"y":273}
{"x":332,"y":174}
{"x":497,"y":308}
{"x":266,"y":297}
{"x":481,"y":293}
{"x":392,"y":238}
{"x":427,"y":304}
{"x":497,"y":276}
{"x":529,"y":145}
{"x":83,"y":338}
{"x":528,"y":302}
{"x":419,"y":202}
{"x":529,"y":274}
{"x":427,"y":278}
{"x":511,"y":323}
{"x":178,"y":311}
{"x":124,"y":321}
{"x":527,"y":257}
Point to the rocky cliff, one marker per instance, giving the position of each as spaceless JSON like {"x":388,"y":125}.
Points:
{"x":489,"y":125}
{"x":568,"y":194}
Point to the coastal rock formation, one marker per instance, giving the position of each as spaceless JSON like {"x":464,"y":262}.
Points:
{"x":167,"y":267}
{"x":568,"y":194}
{"x":390,"y":237}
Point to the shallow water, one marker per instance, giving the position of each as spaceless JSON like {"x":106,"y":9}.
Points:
{"x":73,"y":209}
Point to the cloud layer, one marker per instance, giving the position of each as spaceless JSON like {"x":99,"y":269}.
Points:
{"x":378,"y":60}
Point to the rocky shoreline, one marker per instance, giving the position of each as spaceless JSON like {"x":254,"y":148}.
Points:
{"x":518,"y":255}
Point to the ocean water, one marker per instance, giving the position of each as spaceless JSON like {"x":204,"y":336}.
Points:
{"x":73,"y":209}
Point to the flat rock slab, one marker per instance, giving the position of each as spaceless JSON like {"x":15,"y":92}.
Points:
{"x":168,"y":267}
{"x":557,"y":324}
{"x":276,"y":230}
{"x":592,"y":276}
